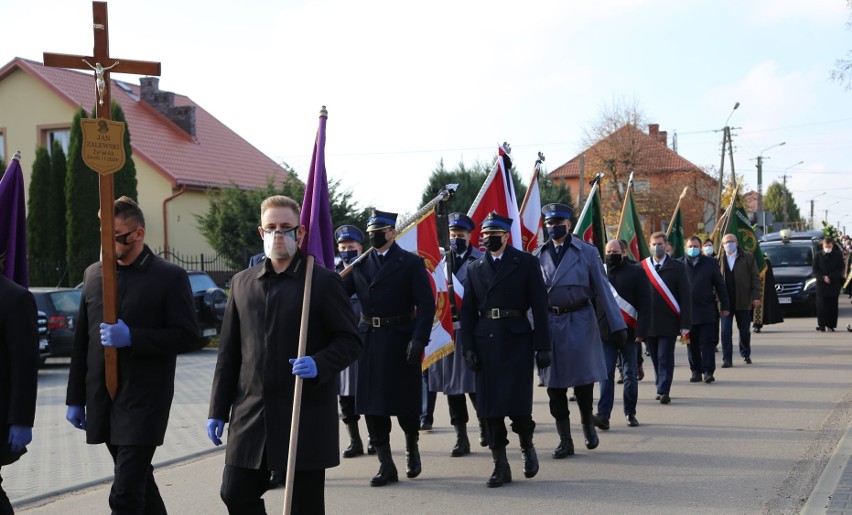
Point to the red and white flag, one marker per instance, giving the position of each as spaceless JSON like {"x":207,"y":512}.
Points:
{"x":531,"y":226}
{"x":498,"y":194}
{"x":422,"y":238}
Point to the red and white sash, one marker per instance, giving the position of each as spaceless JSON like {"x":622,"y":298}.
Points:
{"x":628,"y":312}
{"x":660,"y":286}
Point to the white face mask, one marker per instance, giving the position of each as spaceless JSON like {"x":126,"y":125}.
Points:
{"x":827,"y":250}
{"x":708,"y":250}
{"x":730,"y":247}
{"x":284,"y":252}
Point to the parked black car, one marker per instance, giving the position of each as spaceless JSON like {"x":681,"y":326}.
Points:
{"x":61,"y":306}
{"x":210,"y":301}
{"x":792,"y":257}
{"x":43,"y":337}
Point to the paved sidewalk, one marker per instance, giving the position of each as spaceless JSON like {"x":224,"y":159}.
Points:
{"x":833,"y":492}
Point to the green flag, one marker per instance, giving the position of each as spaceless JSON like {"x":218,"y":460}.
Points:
{"x":676,"y":237}
{"x":739,"y":226}
{"x":590,"y":226}
{"x":630,"y":230}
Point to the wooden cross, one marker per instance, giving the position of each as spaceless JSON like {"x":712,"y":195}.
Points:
{"x":102,"y":63}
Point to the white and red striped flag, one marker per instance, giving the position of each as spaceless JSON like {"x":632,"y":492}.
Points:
{"x":498,"y":194}
{"x":422,"y":238}
{"x":531,"y":226}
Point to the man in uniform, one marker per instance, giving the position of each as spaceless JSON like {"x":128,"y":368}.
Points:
{"x":575,"y":280}
{"x":18,"y":374}
{"x":450,"y":374}
{"x":156,"y":322}
{"x":629,"y":282}
{"x":708,"y":291}
{"x":349,"y":247}
{"x":397,"y":309}
{"x":671,"y":312}
{"x":499,"y":343}
{"x":253,"y":385}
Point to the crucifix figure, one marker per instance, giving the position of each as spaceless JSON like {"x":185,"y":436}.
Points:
{"x":107,"y":194}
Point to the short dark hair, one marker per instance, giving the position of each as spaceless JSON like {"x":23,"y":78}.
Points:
{"x":708,"y":240}
{"x":694,"y":237}
{"x":128,"y":210}
{"x":658,"y":234}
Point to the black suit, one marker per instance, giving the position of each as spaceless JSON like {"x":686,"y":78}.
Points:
{"x":19,"y":366}
{"x":708,"y":293}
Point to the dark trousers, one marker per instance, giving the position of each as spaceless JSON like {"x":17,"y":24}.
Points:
{"x":662,"y":354}
{"x":826,"y":308}
{"x":495,"y":429}
{"x":629,"y":356}
{"x":429,"y":399}
{"x":242,"y":490}
{"x":743,"y":317}
{"x":458,"y":408}
{"x":702,"y":347}
{"x":5,"y":505}
{"x":379,"y":427}
{"x":559,"y":402}
{"x":347,"y":408}
{"x":133,"y":489}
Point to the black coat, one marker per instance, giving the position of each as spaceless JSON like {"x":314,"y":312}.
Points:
{"x":19,"y":358}
{"x":630,"y":282}
{"x":831,"y":266}
{"x":387,"y":383}
{"x":155,"y":301}
{"x":505,"y":347}
{"x":664,"y":321}
{"x":708,"y":290}
{"x":253,"y":383}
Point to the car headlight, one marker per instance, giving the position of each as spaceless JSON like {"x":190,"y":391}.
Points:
{"x":810,"y":283}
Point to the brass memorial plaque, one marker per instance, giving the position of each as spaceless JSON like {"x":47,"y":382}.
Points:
{"x":103,"y":145}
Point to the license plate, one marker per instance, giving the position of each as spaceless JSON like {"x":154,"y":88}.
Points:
{"x":42,"y":344}
{"x":785,"y":300}
{"x":209,"y":332}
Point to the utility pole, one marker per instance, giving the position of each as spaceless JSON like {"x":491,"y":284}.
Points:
{"x":721,"y":173}
{"x":812,"y":214}
{"x":760,"y":192}
{"x":784,"y":177}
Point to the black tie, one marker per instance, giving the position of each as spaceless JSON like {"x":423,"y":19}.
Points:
{"x":558,"y":250}
{"x":496,"y":261}
{"x":657,"y":266}
{"x":381,"y":259}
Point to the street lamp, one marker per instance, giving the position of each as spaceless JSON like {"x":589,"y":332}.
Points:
{"x":785,"y":189}
{"x":760,"y":184}
{"x":811,"y":221}
{"x":828,"y":206}
{"x":726,"y":137}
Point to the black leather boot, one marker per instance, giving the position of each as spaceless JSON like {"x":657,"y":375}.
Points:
{"x":412,"y":456}
{"x":462,"y":443}
{"x":387,"y":469}
{"x":529,"y":456}
{"x":566,"y":444}
{"x":502,"y":473}
{"x":356,"y":447}
{"x":483,"y":440}
{"x":591,"y":435}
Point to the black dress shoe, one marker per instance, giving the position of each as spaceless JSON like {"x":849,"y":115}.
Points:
{"x":276,"y":479}
{"x":708,"y":378}
{"x":726,"y":364}
{"x":747,"y":361}
{"x":820,"y":328}
{"x":696,"y":377}
{"x":600,"y":422}
{"x":830,"y":329}
{"x":573,"y":398}
{"x":425,"y":425}
{"x":658,"y":397}
{"x":631,"y":421}
{"x":665,"y":399}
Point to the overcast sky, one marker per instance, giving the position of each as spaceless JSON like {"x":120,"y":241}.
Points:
{"x":409,"y":84}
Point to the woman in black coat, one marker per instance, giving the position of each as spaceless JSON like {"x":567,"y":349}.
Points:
{"x":828,"y":270}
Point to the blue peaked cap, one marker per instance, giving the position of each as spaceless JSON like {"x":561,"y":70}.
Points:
{"x":380,"y":220}
{"x":554,"y":210}
{"x":497,"y":222}
{"x":460,"y":221}
{"x":348,"y":233}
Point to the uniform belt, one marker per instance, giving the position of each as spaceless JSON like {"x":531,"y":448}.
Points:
{"x":560,"y":310}
{"x":497,"y":313}
{"x":386,"y":321}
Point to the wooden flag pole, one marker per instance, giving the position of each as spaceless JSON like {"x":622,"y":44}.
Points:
{"x":297,"y":391}
{"x":624,"y":206}
{"x":98,"y":63}
{"x":679,"y":200}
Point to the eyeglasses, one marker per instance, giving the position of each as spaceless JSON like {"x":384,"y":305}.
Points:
{"x":283,"y":232}
{"x":122,"y":238}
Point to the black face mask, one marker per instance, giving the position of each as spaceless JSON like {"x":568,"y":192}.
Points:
{"x":378,"y":239}
{"x":614,"y":259}
{"x":493,"y":242}
{"x":557,"y":232}
{"x":459,"y":245}
{"x":348,"y":255}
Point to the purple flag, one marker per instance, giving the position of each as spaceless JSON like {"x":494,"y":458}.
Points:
{"x":316,"y":210}
{"x":13,"y":224}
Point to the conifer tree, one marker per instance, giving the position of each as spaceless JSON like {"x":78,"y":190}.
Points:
{"x":81,"y":198}
{"x":38,"y":229}
{"x":55,"y":251}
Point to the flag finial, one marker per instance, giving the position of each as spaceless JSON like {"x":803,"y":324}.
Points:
{"x":17,"y":156}
{"x":323,"y":112}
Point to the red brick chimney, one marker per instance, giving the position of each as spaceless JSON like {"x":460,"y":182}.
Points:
{"x":658,"y":135}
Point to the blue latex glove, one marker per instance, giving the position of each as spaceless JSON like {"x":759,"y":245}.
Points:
{"x":19,"y":437}
{"x":77,"y":416}
{"x":215,"y":428}
{"x":304,"y":367}
{"x":115,"y":335}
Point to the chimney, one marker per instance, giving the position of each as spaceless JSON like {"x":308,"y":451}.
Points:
{"x":164,"y":102}
{"x":658,"y":135}
{"x":664,"y":138}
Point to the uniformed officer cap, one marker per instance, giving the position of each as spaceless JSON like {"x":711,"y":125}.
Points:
{"x":556,"y":211}
{"x":494,"y":222}
{"x":380,"y":220}
{"x":460,"y":221}
{"x":348,"y":233}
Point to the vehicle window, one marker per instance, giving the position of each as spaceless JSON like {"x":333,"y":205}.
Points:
{"x":66,"y":302}
{"x":201,"y":282}
{"x":789,"y":255}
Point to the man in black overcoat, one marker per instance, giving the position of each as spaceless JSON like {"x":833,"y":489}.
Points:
{"x":398,"y":309}
{"x":501,"y":346}
{"x":253,"y":382}
{"x":828,"y":270}
{"x":156,"y":322}
{"x":18,"y":373}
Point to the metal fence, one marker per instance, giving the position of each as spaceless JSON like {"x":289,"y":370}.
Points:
{"x":216,"y":266}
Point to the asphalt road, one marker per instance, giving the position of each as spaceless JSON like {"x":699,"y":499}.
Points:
{"x":756,"y":441}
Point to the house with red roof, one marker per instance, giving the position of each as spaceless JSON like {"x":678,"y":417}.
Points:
{"x":181,"y":152}
{"x":659,"y":177}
